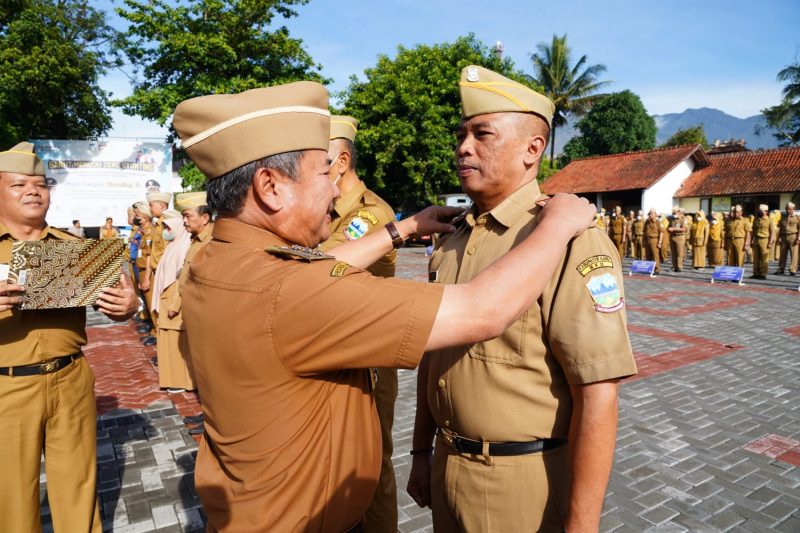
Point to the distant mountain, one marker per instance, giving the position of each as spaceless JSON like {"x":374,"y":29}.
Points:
{"x":717,"y":125}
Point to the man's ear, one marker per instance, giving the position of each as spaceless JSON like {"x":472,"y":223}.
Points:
{"x":343,"y":162}
{"x":535,"y":149}
{"x":268,"y":189}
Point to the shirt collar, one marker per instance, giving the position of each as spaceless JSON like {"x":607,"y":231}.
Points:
{"x":48,"y":230}
{"x":346,"y":201}
{"x":229,"y":230}
{"x":204,"y":235}
{"x":509,"y":210}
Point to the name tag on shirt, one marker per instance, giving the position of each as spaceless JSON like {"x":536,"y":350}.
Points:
{"x":3,"y":271}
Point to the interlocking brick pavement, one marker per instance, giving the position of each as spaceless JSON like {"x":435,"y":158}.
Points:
{"x":697,"y":448}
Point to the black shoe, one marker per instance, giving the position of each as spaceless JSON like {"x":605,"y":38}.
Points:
{"x":752,"y":277}
{"x":194,"y":419}
{"x":144,"y":328}
{"x":197,"y":430}
{"x":791,"y":273}
{"x":149,"y":341}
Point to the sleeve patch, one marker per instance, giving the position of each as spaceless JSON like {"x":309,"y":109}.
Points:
{"x":357,"y":228}
{"x":339,"y":269}
{"x":369,"y":216}
{"x":605,"y":293}
{"x":593,"y":263}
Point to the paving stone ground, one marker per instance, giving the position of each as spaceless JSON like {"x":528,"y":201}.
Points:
{"x":709,"y":434}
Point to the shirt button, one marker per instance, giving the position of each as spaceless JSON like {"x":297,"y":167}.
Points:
{"x":471,"y":250}
{"x":442,"y":383}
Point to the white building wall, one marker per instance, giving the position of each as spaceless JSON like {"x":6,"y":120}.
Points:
{"x":660,"y":195}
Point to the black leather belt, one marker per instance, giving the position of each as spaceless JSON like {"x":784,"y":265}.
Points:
{"x":46,"y":367}
{"x":462,"y":445}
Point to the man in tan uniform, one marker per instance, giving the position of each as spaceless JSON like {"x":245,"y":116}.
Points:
{"x":46,"y":386}
{"x":715,"y":240}
{"x":788,"y":229}
{"x":629,"y":246}
{"x":677,"y":239}
{"x":763,"y":237}
{"x":637,"y":236}
{"x":665,"y":221}
{"x":282,"y":335}
{"x":653,"y":239}
{"x":155,"y":245}
{"x":740,"y":237}
{"x":357,"y":212}
{"x":618,"y":231}
{"x":699,"y":236}
{"x":514,"y":411}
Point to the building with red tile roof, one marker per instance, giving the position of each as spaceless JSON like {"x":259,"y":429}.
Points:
{"x":684,"y":175}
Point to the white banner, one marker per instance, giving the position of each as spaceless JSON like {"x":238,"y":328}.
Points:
{"x":92,"y":180}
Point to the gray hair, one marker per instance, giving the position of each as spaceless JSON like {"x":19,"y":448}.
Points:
{"x":227,"y":193}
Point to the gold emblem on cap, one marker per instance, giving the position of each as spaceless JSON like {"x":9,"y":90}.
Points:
{"x":472,"y":74}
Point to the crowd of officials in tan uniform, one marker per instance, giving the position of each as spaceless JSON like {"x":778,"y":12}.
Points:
{"x":729,"y":238}
{"x":284,"y":315}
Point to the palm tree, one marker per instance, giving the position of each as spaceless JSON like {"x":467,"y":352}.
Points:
{"x":571,"y":88}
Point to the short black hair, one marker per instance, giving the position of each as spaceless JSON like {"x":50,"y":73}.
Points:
{"x":226,"y":194}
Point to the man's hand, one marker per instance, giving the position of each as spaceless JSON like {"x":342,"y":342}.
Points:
{"x":10,"y":295}
{"x":419,"y":480}
{"x":573,"y":211}
{"x":118,"y":303}
{"x":433,"y":219}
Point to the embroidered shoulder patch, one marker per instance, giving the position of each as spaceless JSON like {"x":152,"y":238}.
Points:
{"x":593,"y":263}
{"x":605,"y":293}
{"x":339,"y":269}
{"x":356,"y":229}
{"x":298,"y":252}
{"x":367,"y":215}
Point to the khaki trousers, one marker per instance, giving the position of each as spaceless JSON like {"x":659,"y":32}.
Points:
{"x":736,"y":252}
{"x":677,"y":248}
{"x":789,"y":244}
{"x":760,"y":248}
{"x":476,"y":494}
{"x":653,"y":252}
{"x":638,"y":247}
{"x":381,"y":515}
{"x":54,"y":413}
{"x":617,"y":239}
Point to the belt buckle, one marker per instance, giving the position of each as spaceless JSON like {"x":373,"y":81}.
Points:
{"x":48,"y":367}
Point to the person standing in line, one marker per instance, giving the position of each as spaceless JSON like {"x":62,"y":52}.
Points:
{"x":653,"y":239}
{"x":637,"y":229}
{"x":763,"y":237}
{"x":787,"y":233}
{"x":716,"y":238}
{"x":740,"y":231}
{"x":699,"y":237}
{"x":677,"y":239}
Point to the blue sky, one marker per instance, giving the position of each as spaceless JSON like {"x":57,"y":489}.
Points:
{"x":674,"y":54}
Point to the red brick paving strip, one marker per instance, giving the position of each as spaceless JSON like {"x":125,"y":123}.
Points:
{"x":124,"y":376}
{"x":777,"y":447}
{"x":673,"y":298}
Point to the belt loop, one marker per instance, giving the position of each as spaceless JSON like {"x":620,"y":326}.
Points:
{"x":487,"y":459}
{"x":11,"y":371}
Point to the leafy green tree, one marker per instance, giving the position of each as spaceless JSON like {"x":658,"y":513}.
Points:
{"x":201,"y":47}
{"x":785,"y":117}
{"x":52,"y":53}
{"x":409,"y":108}
{"x":694,"y":135}
{"x":572,"y":88}
{"x":616,"y":123}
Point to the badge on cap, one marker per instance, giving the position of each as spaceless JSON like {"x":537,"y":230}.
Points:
{"x":472,"y":74}
{"x":605,"y":293}
{"x":357,"y":228}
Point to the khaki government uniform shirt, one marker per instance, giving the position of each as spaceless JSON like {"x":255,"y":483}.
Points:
{"x":638,"y":228}
{"x":739,"y":228}
{"x":516,"y":387}
{"x":789,"y":225}
{"x":281,"y":341}
{"x":653,"y":228}
{"x":358,"y":212}
{"x":762,"y":228}
{"x":30,"y":337}
{"x":617,"y":226}
{"x":157,"y":243}
{"x":171,"y":299}
{"x":699,"y":232}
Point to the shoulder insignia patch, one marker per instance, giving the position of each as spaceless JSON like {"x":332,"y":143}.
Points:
{"x":593,"y":263}
{"x":605,"y":293}
{"x":356,"y":229}
{"x":338,"y":269}
{"x":369,"y":216}
{"x":298,"y":252}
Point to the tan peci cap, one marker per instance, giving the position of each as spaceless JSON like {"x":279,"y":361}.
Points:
{"x":188,"y":200}
{"x":21,"y":159}
{"x":144,"y":208}
{"x":171,"y":213}
{"x":763,"y":207}
{"x":159,"y":197}
{"x":344,"y":127}
{"x":484,"y":91}
{"x":222,"y":132}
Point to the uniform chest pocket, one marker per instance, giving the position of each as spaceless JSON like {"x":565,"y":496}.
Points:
{"x":508,"y":348}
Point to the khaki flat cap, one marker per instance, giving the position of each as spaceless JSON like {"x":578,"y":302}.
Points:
{"x":21,"y":159}
{"x":344,"y":127}
{"x":188,"y":200}
{"x":484,"y":91}
{"x":159,"y":197}
{"x":144,"y":208}
{"x":763,"y":207}
{"x":222,"y":132}
{"x":171,"y":213}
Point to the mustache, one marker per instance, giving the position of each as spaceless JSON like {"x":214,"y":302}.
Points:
{"x":465,"y":162}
